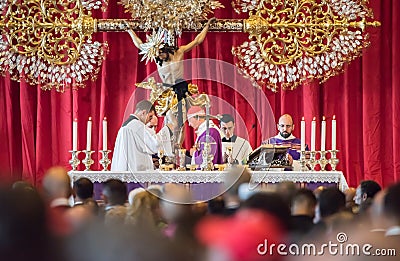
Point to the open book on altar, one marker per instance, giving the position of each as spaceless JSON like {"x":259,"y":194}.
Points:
{"x":269,"y":156}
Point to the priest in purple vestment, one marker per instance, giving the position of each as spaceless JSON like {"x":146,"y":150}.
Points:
{"x":285,"y":137}
{"x":196,"y":117}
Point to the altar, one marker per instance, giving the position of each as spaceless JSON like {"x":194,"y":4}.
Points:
{"x":206,"y":184}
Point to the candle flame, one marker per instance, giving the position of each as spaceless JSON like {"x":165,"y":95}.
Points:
{"x":334,"y":117}
{"x":75,"y":119}
{"x":323,"y":118}
{"x":302,"y":118}
{"x":105,"y":118}
{"x":313,"y":119}
{"x":90,"y":118}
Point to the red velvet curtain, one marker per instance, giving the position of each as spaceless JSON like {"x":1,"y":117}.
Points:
{"x":36,"y":125}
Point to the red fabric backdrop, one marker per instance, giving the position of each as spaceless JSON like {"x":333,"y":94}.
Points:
{"x":36,"y":126}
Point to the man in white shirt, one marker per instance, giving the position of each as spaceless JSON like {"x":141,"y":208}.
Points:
{"x":136,"y":142}
{"x":241,"y":148}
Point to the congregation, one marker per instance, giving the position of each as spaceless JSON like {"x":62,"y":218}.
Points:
{"x":157,"y":223}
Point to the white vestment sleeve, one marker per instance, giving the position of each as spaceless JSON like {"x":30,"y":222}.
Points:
{"x":165,"y":142}
{"x":119,"y":160}
{"x":150,"y":144}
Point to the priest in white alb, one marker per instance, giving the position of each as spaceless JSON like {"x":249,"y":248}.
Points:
{"x":136,"y":142}
{"x":241,"y":148}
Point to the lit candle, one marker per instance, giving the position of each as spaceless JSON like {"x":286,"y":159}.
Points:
{"x":75,"y":135}
{"x":89,"y":134}
{"x":313,"y":130}
{"x":323,"y":133}
{"x":105,"y":133}
{"x":334,"y":133}
{"x":303,"y":134}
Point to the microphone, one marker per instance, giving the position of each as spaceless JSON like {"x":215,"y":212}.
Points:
{"x":237,"y":154}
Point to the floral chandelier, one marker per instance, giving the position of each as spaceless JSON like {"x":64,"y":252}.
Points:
{"x":293,"y":41}
{"x":48,"y":42}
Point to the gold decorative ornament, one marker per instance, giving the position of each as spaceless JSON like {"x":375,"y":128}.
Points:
{"x":220,"y":25}
{"x":166,"y":99}
{"x":173,"y":15}
{"x":292,"y":41}
{"x":49,"y":43}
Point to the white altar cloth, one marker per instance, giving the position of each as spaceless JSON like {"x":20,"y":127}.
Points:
{"x":212,"y":176}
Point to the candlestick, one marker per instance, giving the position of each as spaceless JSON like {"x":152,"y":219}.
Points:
{"x":333,"y":161}
{"x":75,"y":135}
{"x":88,"y":161}
{"x":105,"y":134}
{"x":334,"y":133}
{"x":74,"y":161}
{"x":323,"y":161}
{"x":323,"y":133}
{"x":303,"y":135}
{"x":313,"y":162}
{"x":89,"y":134}
{"x":105,"y":161}
{"x":313,"y":130}
{"x":303,"y":161}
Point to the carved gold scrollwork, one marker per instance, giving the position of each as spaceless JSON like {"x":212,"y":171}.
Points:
{"x":292,"y":41}
{"x":48,"y":42}
{"x":51,"y":30}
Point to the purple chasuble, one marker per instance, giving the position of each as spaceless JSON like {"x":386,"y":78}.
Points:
{"x":294,"y":143}
{"x":216,"y":149}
